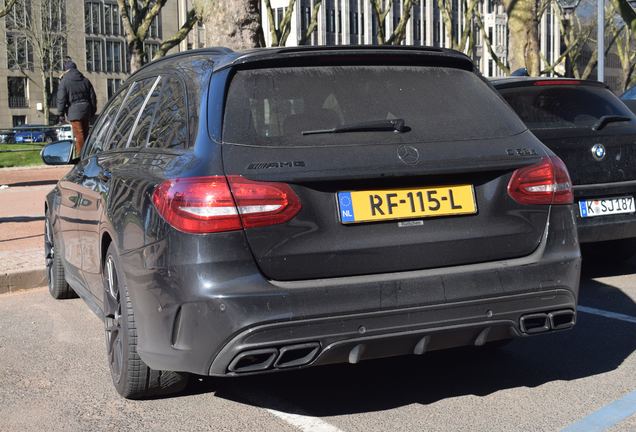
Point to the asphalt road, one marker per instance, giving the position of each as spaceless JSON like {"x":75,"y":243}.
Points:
{"x":54,"y":376}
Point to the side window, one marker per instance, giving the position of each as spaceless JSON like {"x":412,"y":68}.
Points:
{"x":125,"y":120}
{"x":95,"y":143}
{"x":140,"y":135}
{"x":170,"y":125}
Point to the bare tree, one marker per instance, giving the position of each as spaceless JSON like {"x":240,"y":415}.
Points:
{"x":627,"y":13}
{"x":36,"y":41}
{"x":502,"y":63}
{"x":234,"y":23}
{"x":460,"y":41}
{"x":280,"y":33}
{"x":6,"y":7}
{"x":381,"y":9}
{"x":625,"y":49}
{"x":579,"y":37}
{"x":137,"y":17}
{"x":524,"y":17}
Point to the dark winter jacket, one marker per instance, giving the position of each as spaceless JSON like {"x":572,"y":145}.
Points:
{"x":75,"y":96}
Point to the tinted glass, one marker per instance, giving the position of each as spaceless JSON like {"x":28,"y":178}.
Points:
{"x":140,"y":135}
{"x":272,"y":107}
{"x":545,"y":107}
{"x":170,"y":125}
{"x":96,"y":140}
{"x":125,"y":120}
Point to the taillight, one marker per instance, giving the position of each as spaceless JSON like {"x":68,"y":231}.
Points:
{"x":218,"y":203}
{"x":547,"y":182}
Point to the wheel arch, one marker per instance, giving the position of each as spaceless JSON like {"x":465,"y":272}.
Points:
{"x":105,"y":242}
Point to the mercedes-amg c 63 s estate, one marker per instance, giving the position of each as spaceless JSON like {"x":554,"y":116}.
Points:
{"x":246,"y":212}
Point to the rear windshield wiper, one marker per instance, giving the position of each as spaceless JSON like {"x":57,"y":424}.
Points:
{"x":606,"y":119}
{"x":393,"y":125}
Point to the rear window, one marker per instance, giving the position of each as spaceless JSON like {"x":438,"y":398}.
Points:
{"x":272,"y":107}
{"x":546,"y":107}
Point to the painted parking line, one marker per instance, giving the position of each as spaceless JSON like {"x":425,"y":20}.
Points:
{"x":606,"y":417}
{"x":303,"y":422}
{"x":607,"y":314}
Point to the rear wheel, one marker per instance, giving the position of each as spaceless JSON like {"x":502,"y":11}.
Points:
{"x":58,"y":288}
{"x":132,"y":378}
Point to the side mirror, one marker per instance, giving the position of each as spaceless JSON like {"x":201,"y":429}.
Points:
{"x":58,"y":153}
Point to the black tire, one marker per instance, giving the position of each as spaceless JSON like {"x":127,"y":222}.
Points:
{"x":132,"y":378}
{"x":58,"y":287}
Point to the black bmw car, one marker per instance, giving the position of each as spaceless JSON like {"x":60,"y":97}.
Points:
{"x":594,"y":133}
{"x":246,"y":212}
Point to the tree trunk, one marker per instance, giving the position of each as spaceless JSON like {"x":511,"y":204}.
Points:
{"x":136,"y":50}
{"x":235,"y":24}
{"x":523,"y":25}
{"x":45,"y":97}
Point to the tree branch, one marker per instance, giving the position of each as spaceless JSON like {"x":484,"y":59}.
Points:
{"x":7,"y":7}
{"x":180,"y":35}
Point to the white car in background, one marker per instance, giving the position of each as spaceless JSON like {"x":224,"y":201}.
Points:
{"x":65,"y":133}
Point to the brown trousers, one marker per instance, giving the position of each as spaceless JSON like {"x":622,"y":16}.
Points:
{"x":80,"y":132}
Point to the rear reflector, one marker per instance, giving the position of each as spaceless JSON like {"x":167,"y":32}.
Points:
{"x":556,"y":82}
{"x":546,"y":182}
{"x":218,"y":203}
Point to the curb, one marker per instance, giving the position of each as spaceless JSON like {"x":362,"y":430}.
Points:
{"x":22,"y":280}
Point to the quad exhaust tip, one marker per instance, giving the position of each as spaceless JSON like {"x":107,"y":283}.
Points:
{"x":285,"y":357}
{"x":254,"y":360}
{"x":542,"y":322}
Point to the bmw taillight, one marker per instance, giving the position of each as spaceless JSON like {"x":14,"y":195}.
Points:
{"x":546,"y":182}
{"x":219,"y":203}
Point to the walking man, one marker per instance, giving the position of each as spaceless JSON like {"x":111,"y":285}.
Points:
{"x":77,"y":101}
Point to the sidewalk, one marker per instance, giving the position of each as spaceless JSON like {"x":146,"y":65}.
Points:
{"x":22,"y":194}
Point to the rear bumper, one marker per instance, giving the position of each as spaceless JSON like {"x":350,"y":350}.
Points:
{"x":201,"y":324}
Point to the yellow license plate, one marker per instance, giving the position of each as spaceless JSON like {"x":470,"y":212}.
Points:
{"x":391,"y":204}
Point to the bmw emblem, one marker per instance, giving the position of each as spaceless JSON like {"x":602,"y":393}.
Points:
{"x":598,"y":151}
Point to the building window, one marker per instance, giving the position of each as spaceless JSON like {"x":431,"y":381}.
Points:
{"x":155,"y":28}
{"x":150,"y":48}
{"x":19,"y":120}
{"x":17,"y":87}
{"x":113,"y":56}
{"x":94,"y":49}
{"x":19,"y":16}
{"x":92,"y":18}
{"x":52,"y":85}
{"x":112,"y":86}
{"x":19,"y":51}
{"x":491,"y":71}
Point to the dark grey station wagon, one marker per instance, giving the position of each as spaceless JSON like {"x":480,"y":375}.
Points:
{"x":244,"y":212}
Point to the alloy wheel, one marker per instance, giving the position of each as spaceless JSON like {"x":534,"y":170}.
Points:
{"x":49,"y":253}
{"x":112,"y":320}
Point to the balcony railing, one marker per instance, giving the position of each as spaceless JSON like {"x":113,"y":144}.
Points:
{"x":18,"y":102}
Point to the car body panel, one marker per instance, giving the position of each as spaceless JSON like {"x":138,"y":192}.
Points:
{"x":201,"y":299}
{"x":593,"y":177}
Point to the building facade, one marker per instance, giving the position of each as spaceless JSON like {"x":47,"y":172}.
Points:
{"x":352,"y":22}
{"x":94,"y":40}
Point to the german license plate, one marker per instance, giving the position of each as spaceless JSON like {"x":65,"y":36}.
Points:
{"x":392,"y":204}
{"x":606,"y":206}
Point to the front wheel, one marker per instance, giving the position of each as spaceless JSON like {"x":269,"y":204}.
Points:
{"x":132,"y":378}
